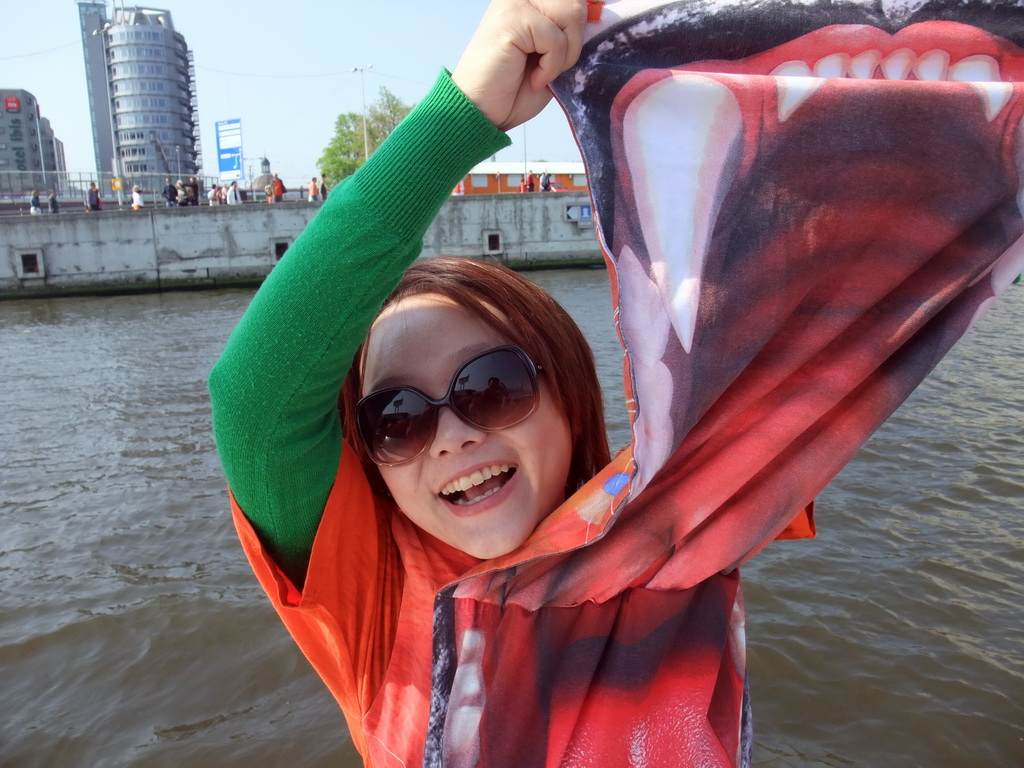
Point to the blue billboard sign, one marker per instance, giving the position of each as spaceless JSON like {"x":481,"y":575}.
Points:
{"x":229,"y":150}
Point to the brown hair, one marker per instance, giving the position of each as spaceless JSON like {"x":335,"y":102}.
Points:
{"x":528,"y":317}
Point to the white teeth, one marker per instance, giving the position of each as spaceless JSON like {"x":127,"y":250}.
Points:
{"x":994,"y":96}
{"x":863,"y":65}
{"x":676,"y":220}
{"x":832,"y":66}
{"x":932,"y":66}
{"x":794,"y":91}
{"x":467,"y":700}
{"x":897,"y":65}
{"x":982,"y":74}
{"x":975,"y":69}
{"x":792,"y":69}
{"x":796,"y":81}
{"x":468,"y":481}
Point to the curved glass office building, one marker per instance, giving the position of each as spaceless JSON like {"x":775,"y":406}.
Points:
{"x":141,"y":80}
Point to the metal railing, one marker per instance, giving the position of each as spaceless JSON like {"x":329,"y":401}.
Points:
{"x":71,"y":186}
{"x":16,"y":187}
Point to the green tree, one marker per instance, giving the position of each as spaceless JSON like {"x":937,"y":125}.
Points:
{"x":345,"y":152}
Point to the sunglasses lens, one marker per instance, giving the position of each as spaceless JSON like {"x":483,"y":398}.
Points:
{"x":395,"y":424}
{"x":496,"y":390}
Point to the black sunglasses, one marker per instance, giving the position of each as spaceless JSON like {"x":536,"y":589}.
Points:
{"x":494,"y":390}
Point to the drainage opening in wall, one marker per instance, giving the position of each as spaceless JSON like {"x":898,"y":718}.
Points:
{"x":280,"y":248}
{"x":29,"y":263}
{"x":493,"y":242}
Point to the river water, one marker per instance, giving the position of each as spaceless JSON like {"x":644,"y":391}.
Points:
{"x":132,"y":632}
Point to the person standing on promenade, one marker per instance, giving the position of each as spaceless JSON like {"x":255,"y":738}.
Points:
{"x":323,"y":188}
{"x":170,"y":193}
{"x":137,"y":201}
{"x":52,"y":201}
{"x":34,"y":206}
{"x":279,"y":189}
{"x":233,"y":197}
{"x":182,"y":193}
{"x":93,"y":199}
{"x":314,"y":190}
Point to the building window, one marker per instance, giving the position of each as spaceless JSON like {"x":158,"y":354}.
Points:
{"x":579,"y":179}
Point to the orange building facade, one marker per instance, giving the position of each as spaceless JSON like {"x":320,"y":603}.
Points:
{"x":492,"y":178}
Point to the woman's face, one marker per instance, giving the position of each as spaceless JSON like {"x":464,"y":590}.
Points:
{"x":421,"y":342}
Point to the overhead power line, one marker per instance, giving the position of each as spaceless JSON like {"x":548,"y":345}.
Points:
{"x":38,"y":53}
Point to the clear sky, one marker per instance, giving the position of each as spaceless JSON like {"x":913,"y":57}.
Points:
{"x":283,"y":68}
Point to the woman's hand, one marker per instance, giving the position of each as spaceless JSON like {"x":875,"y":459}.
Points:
{"x":518,"y":49}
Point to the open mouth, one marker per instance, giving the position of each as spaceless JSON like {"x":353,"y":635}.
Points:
{"x":478,"y":485}
{"x":802,"y":46}
{"x":856,"y":154}
{"x":818,"y":141}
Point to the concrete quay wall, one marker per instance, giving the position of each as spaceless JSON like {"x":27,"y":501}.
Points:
{"x":211,"y":246}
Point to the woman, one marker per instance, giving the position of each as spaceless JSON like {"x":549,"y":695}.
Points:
{"x":137,"y":202}
{"x":93,"y":199}
{"x":470,"y":413}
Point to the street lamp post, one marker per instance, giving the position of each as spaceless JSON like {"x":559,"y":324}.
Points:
{"x":110,"y":106}
{"x":526,"y":164}
{"x":362,"y":86}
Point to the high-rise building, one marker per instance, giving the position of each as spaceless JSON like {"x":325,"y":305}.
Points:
{"x":30,"y":155}
{"x":142,"y":92}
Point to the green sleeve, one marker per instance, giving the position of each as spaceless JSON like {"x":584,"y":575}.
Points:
{"x":275,"y":388}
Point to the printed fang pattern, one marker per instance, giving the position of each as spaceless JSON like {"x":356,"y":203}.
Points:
{"x":791,"y":251}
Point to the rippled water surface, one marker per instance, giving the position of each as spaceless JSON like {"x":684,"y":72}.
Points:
{"x":133,"y":633}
